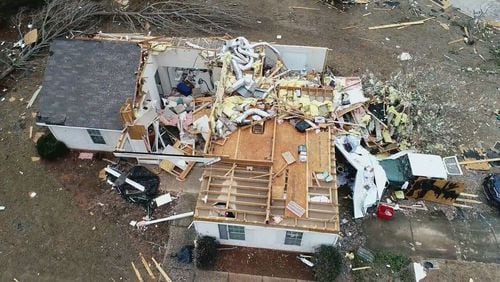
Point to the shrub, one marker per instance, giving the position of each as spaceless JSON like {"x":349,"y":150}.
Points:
{"x":327,"y":263}
{"x":49,"y":148}
{"x":206,"y":252}
{"x":397,"y":261}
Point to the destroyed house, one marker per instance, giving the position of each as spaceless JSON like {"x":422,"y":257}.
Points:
{"x":275,"y":186}
{"x":270,"y":174}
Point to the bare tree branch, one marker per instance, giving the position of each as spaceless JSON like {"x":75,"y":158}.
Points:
{"x":71,"y":17}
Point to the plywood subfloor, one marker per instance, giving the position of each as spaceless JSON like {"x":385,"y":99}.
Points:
{"x":318,"y":146}
{"x":288,"y":139}
{"x":256,"y":146}
{"x":229,"y":147}
{"x":245,"y":145}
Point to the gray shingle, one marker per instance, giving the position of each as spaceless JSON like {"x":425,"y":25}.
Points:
{"x":86,"y":83}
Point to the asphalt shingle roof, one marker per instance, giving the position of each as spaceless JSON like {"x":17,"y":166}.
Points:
{"x":86,"y":83}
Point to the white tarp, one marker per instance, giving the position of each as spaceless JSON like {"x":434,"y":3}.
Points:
{"x":370,"y":179}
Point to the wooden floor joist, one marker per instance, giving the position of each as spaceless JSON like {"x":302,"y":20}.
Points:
{"x":236,"y":194}
{"x":242,"y":179}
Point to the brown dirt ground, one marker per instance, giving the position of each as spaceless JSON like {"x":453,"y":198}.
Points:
{"x":262,"y":262}
{"x":51,"y":237}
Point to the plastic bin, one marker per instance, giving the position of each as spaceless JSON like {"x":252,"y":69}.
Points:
{"x":385,"y":212}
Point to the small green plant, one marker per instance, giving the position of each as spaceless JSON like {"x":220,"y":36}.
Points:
{"x":206,"y":252}
{"x":49,"y":148}
{"x":396,"y":262}
{"x":327,"y":263}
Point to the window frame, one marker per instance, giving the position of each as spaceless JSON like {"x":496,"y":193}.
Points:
{"x":96,"y":136}
{"x":232,"y":232}
{"x":293,"y":238}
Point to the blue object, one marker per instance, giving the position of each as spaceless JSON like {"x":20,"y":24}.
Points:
{"x":184,"y":89}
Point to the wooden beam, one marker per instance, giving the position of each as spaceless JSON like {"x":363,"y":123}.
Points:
{"x":137,"y":273}
{"x":160,"y":269}
{"x":237,"y":144}
{"x":231,"y":170}
{"x":242,"y":179}
{"x":146,"y":266}
{"x":237,"y":194}
{"x":468,"y":201}
{"x":269,"y":192}
{"x":247,"y":162}
{"x":230,"y":185}
{"x":261,"y":175}
{"x":232,"y":210}
{"x":253,"y":172}
{"x":240,"y":186}
{"x":479,"y":161}
{"x":250,"y":204}
{"x":396,"y":25}
{"x":469,"y":195}
{"x":323,"y":211}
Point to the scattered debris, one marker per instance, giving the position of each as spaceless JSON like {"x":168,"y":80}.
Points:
{"x":397,"y":25}
{"x":33,"y":98}
{"x":404,"y":56}
{"x":173,"y":217}
{"x":86,"y":156}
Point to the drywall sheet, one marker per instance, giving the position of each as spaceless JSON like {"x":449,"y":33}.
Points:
{"x":300,"y":57}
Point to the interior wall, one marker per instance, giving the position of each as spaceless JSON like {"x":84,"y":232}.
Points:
{"x":299,"y":57}
{"x":149,"y":83}
{"x":201,"y":88}
{"x":171,"y":59}
{"x":268,"y":237}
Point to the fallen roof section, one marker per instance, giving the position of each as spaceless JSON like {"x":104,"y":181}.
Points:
{"x":86,"y":83}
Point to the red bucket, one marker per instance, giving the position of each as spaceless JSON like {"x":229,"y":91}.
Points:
{"x":385,"y":212}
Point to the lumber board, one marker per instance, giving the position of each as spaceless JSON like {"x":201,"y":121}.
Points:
{"x":288,"y":139}
{"x":242,"y":179}
{"x":396,"y":25}
{"x":146,"y":266}
{"x":162,"y":272}
{"x":469,"y":195}
{"x":137,"y":273}
{"x":239,"y":186}
{"x":318,"y":157}
{"x":479,"y":161}
{"x":468,"y":201}
{"x":256,"y":196}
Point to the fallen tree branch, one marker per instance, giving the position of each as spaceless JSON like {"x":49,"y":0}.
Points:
{"x":68,"y":18}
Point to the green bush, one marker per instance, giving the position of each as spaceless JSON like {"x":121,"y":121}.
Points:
{"x":206,"y":252}
{"x":397,"y":261}
{"x":327,"y":263}
{"x":49,"y":148}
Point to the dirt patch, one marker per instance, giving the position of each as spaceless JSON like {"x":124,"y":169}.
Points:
{"x":463,"y":271}
{"x":262,"y":262}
